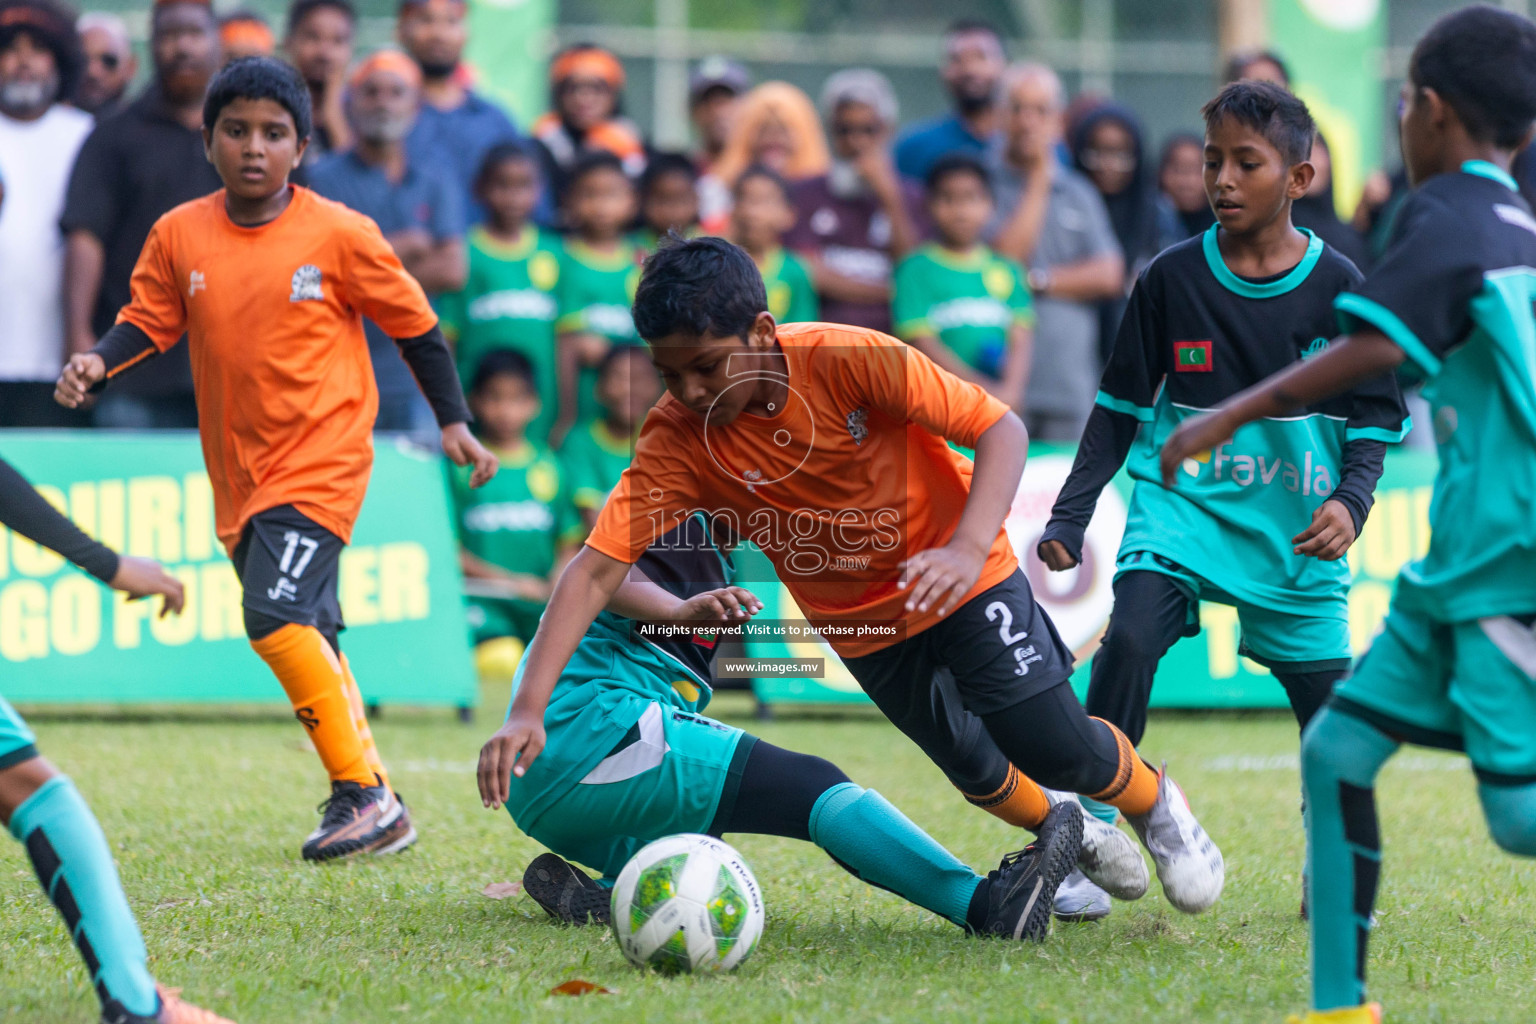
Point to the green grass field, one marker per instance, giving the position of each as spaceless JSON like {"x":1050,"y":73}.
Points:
{"x":206,"y":813}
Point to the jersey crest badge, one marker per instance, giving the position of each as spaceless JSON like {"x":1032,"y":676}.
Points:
{"x":1192,"y":357}
{"x":306,"y":285}
{"x":1315,"y":348}
{"x":858,"y":428}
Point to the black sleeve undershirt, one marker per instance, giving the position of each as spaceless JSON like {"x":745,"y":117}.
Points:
{"x":1362,"y":467}
{"x":122,"y":347}
{"x":1106,"y":442}
{"x":25,"y":511}
{"x":432,"y":365}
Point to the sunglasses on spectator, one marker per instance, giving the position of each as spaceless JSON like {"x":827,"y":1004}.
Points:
{"x":110,"y":61}
{"x":1109,"y":160}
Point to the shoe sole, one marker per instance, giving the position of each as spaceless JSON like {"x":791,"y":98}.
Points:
{"x":1063,"y":839}
{"x":404,"y":842}
{"x":549,"y":885}
{"x":1086,"y":917}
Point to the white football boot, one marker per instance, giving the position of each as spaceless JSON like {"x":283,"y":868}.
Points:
{"x":1188,"y":863}
{"x":1108,"y":858}
{"x":1079,"y":900}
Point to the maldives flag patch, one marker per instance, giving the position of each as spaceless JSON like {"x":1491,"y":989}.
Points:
{"x":1192,"y":357}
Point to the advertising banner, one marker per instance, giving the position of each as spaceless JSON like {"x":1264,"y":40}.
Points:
{"x":65,"y":638}
{"x":508,"y":48}
{"x":1203,"y":671}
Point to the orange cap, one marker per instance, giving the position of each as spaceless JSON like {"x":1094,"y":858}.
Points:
{"x":393,"y":61}
{"x":248,"y":35}
{"x":588,"y":62}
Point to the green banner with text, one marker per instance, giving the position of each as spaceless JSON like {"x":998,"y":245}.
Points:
{"x":64,"y":638}
{"x":1204,"y":671}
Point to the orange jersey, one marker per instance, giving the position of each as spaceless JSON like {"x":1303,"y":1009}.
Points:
{"x":274,"y":316}
{"x":851,"y":478}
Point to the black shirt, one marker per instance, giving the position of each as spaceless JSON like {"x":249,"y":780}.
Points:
{"x":134,"y":167}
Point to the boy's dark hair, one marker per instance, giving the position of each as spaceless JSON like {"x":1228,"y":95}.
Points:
{"x":259,"y":78}
{"x":503,"y":362}
{"x":662,"y":164}
{"x":1482,"y":61}
{"x":592,"y":163}
{"x":760,"y":171}
{"x":301,"y":9}
{"x":1269,"y":110}
{"x":698,"y":286}
{"x":617,"y":353}
{"x":502,"y":153}
{"x":963,"y":26}
{"x":956,"y":163}
{"x":1243,"y":59}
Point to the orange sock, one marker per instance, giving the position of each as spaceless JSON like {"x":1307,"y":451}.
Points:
{"x":1134,"y":789}
{"x":360,"y":719}
{"x":312,"y":677}
{"x":1018,"y":801}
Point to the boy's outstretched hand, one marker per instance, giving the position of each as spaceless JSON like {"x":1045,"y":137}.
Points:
{"x":1195,"y":435}
{"x":1331,"y":534}
{"x":941,"y":575}
{"x":1056,"y":556}
{"x":462,"y":450}
{"x":143,"y":577}
{"x":83,"y":371}
{"x":727,"y":603}
{"x":508,"y":752}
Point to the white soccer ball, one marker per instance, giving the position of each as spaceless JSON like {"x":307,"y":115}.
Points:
{"x":687,"y":903}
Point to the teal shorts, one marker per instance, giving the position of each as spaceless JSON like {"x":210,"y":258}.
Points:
{"x":17,"y":744}
{"x":1274,"y":639}
{"x":491,"y":618}
{"x":673,"y":772}
{"x":1456,"y":685}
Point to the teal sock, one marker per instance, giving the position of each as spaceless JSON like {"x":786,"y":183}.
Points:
{"x":879,"y":844}
{"x":1340,"y":756}
{"x":1104,"y":812}
{"x":74,"y":865}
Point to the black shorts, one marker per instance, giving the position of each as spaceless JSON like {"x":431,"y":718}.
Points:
{"x":999,"y":647}
{"x":288,"y":567}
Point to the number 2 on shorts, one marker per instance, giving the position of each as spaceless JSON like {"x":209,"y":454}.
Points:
{"x":997,"y":609}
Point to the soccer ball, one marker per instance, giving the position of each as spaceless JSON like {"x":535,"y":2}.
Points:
{"x":687,"y":903}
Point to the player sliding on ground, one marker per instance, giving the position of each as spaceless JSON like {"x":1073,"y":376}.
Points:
{"x":270,"y":283}
{"x":628,"y":758}
{"x":825,"y":446}
{"x":45,"y":812}
{"x":1264,"y":522}
{"x":1451,"y":302}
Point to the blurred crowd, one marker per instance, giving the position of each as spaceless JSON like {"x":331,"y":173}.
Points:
{"x":1001,"y":237}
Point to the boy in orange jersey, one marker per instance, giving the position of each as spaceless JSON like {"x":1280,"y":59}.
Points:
{"x":270,"y":283}
{"x":826,"y":446}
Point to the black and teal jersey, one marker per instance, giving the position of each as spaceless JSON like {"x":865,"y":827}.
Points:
{"x":1194,"y":335}
{"x":1455,"y":290}
{"x":592,"y":707}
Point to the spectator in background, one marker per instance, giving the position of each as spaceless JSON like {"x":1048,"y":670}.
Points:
{"x":1050,"y":219}
{"x":596,"y":453}
{"x":760,"y":218}
{"x":318,"y":42}
{"x":110,"y":64}
{"x":508,"y":301}
{"x":1108,"y":150}
{"x":133,"y":168}
{"x":245,"y":34}
{"x":1258,"y":65}
{"x":39,"y":136}
{"x":597,"y":281}
{"x":414,"y":204}
{"x":585,"y":84}
{"x":775,"y":126}
{"x":456,"y":126}
{"x":973,"y":64}
{"x":1181,"y":178}
{"x":669,"y":198}
{"x":854,"y":222}
{"x":714,"y":96}
{"x":1316,"y":212}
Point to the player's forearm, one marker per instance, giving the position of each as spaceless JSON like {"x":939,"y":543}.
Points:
{"x":84,"y":257}
{"x":1350,"y":361}
{"x":432,"y":365}
{"x":24,"y":510}
{"x":1356,"y":489}
{"x":123,"y":347}
{"x":1016,"y":365}
{"x":1001,"y":451}
{"x":639,"y":599}
{"x":584,"y":589}
{"x":1020,"y":233}
{"x":1102,"y":277}
{"x":1106,"y":442}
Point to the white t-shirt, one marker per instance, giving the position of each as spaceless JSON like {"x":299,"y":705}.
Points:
{"x":35,"y":160}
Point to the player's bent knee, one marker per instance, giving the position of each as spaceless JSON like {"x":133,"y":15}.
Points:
{"x":1511,"y":814}
{"x":1129,"y":645}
